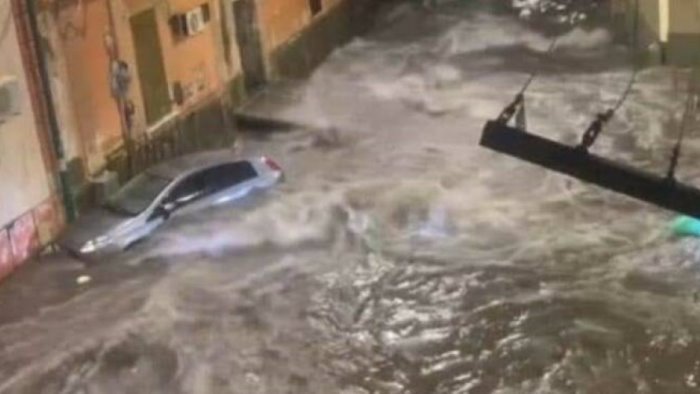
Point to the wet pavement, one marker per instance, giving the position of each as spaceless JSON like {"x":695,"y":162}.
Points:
{"x":399,"y":257}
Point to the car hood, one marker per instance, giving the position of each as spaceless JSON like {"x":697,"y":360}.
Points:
{"x":90,"y":226}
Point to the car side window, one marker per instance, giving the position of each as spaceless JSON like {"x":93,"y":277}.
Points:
{"x":210,"y":181}
{"x":188,"y":190}
{"x":228,"y":175}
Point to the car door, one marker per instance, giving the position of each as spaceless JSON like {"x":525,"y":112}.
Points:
{"x":186,"y":194}
{"x":182,"y":194}
{"x":212,"y":186}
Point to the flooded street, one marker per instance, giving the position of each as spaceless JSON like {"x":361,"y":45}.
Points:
{"x":399,"y":256}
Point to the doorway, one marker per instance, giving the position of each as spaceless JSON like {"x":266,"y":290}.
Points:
{"x":151,"y":69}
{"x":249,"y":44}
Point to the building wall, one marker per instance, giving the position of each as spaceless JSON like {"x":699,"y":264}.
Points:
{"x":295,"y":41}
{"x":684,"y":16}
{"x":57,"y":65}
{"x":228,"y":40}
{"x":281,"y":20}
{"x":81,"y":27}
{"x":647,"y":20}
{"x":672,"y":37}
{"x":684,"y":32}
{"x":30,"y":213}
{"x":75,"y":37}
{"x":77,"y":33}
{"x":207,"y":64}
{"x":23,"y":173}
{"x":197,"y":62}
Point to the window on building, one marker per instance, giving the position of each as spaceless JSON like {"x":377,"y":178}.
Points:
{"x":178,"y":25}
{"x":316,"y":6}
{"x":206,"y":12}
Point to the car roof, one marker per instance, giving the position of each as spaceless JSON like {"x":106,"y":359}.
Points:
{"x":186,"y":164}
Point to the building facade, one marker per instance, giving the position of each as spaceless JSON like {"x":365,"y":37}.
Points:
{"x":669,"y":30}
{"x":123,"y":70}
{"x":134,"y":81}
{"x":30,"y":208}
{"x":297,"y":35}
{"x":93,"y":91}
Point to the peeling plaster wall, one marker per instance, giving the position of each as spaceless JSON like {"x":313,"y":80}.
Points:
{"x":23,"y":176}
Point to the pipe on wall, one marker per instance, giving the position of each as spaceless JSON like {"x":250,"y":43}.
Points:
{"x":664,"y":22}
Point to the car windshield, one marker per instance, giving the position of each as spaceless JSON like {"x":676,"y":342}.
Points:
{"x":137,"y":194}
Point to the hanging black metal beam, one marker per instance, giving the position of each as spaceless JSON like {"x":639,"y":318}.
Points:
{"x":588,"y":167}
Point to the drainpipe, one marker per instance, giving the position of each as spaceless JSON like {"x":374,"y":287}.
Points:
{"x":54,"y":129}
{"x":664,"y":27}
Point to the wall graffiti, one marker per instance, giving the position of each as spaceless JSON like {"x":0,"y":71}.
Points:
{"x":27,"y":235}
{"x":24,"y":238}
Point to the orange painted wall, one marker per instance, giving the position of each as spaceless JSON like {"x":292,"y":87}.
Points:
{"x":280,"y":20}
{"x":82,"y":30}
{"x":194,"y":61}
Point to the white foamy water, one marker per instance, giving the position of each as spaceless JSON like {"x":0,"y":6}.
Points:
{"x":403,"y":258}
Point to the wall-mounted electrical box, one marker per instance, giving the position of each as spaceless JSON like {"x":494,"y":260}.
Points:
{"x":190,"y":23}
{"x":195,"y":21}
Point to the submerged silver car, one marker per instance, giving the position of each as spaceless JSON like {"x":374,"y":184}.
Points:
{"x":177,"y":187}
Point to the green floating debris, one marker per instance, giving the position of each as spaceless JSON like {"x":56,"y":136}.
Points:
{"x":686,"y":226}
